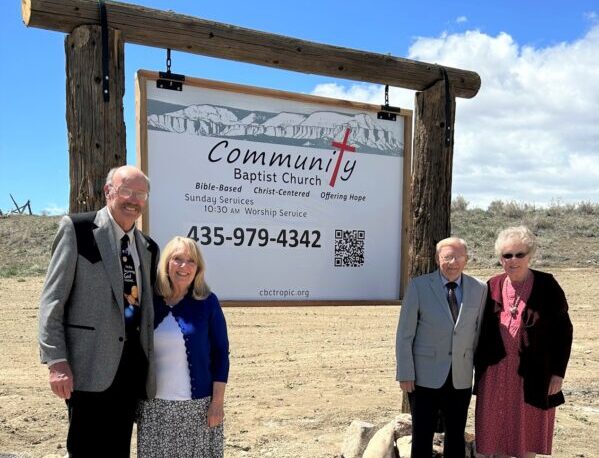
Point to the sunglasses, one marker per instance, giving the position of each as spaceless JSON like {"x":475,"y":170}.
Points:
{"x":514,"y":255}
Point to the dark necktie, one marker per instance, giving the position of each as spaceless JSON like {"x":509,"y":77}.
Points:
{"x":130,"y":289}
{"x":452,"y":299}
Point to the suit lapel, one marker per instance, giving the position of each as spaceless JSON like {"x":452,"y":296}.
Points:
{"x":439,"y":290}
{"x":105,"y":241}
{"x":467,"y":293}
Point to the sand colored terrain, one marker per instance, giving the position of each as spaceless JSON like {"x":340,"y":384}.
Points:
{"x":298,"y":376}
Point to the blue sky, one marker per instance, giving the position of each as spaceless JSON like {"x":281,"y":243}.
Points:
{"x":531,"y":135}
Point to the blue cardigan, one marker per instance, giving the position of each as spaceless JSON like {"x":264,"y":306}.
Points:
{"x":204,"y":329}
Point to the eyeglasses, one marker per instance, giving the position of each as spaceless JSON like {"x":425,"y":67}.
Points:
{"x":519,"y":255}
{"x":126,"y":193}
{"x":180,"y":261}
{"x":452,"y":258}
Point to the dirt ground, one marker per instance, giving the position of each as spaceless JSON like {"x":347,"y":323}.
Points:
{"x":299,"y":376}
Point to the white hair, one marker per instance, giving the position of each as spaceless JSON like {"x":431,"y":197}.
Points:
{"x":452,"y":241}
{"x":519,"y":234}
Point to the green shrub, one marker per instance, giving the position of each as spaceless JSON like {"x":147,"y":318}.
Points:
{"x":459,"y":204}
{"x":588,"y":208}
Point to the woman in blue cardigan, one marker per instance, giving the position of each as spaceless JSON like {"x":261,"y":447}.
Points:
{"x":191,"y":358}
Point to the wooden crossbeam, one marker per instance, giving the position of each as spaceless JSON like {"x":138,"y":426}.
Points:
{"x":165,"y":29}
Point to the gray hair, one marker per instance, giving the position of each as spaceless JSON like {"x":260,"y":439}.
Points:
{"x":519,"y":234}
{"x":113,"y":170}
{"x":451,"y":241}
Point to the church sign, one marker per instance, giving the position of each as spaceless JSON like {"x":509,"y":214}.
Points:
{"x":290,"y":197}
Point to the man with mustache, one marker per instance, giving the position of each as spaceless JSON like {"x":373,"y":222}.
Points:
{"x":96,"y":317}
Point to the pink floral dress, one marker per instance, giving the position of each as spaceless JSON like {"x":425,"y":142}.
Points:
{"x":505,"y":424}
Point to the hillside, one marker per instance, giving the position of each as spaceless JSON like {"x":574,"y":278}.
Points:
{"x":568,"y":235}
{"x":25,"y":243}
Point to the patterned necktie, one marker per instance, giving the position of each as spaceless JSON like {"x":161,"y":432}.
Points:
{"x":452,"y":299}
{"x":130,"y":289}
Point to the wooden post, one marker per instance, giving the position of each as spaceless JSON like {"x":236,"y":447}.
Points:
{"x":96,"y":129}
{"x":431,"y":181}
{"x":431,"y":178}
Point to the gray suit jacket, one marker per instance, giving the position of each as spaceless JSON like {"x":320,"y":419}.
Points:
{"x":81,"y":307}
{"x":428,"y":344}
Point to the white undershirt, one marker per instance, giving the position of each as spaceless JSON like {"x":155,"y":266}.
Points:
{"x":172,"y":369}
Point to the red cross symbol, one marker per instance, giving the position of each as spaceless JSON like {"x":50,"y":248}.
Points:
{"x":342,"y":148}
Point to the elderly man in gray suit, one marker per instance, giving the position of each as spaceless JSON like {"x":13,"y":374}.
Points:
{"x":96,"y":318}
{"x":438,"y":329}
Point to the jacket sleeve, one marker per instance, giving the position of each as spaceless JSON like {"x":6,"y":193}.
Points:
{"x":219,"y":343}
{"x":56,"y":292}
{"x":562,"y":332}
{"x":406,"y":331}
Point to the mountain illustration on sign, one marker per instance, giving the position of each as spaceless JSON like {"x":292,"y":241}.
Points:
{"x":315,"y":130}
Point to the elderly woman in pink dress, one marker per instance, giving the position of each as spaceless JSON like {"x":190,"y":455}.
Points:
{"x":522,"y":354}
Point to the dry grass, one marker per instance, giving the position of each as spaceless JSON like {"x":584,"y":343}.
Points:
{"x":568,"y":235}
{"x":25,"y":243}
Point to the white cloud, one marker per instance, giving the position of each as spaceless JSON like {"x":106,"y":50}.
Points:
{"x":532,"y":132}
{"x":52,"y":210}
{"x":461,"y":19}
{"x":368,"y":93}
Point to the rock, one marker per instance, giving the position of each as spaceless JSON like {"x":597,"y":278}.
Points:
{"x":356,"y":439}
{"x":382,"y":444}
{"x":399,"y":431}
{"x":469,"y":439}
{"x":404,"y":446}
{"x":438,"y":440}
{"x":403,"y":425}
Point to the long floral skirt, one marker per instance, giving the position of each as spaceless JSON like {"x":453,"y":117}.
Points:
{"x":170,"y":429}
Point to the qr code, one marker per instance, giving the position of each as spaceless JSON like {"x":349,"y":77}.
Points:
{"x":349,"y":248}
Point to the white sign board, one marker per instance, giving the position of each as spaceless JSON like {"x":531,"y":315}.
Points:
{"x":290,"y":197}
